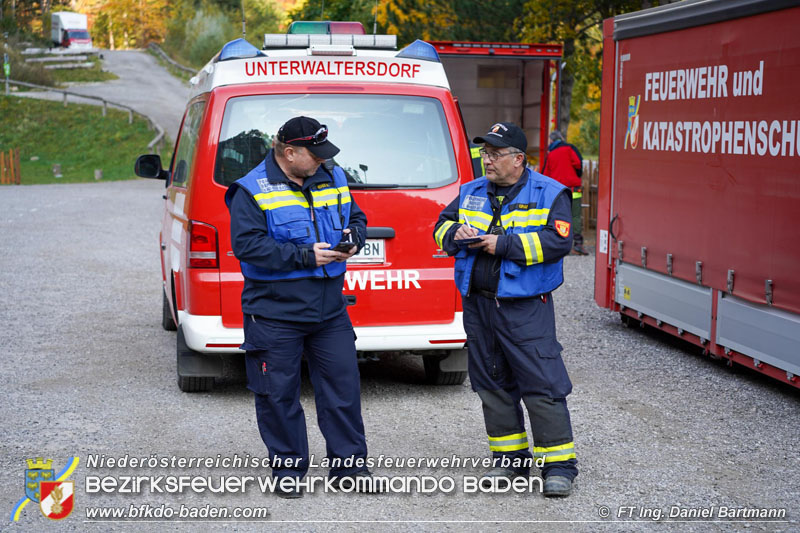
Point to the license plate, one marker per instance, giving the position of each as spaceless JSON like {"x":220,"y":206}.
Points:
{"x":374,"y":251}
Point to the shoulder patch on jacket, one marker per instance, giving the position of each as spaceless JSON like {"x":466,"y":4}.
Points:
{"x":562,"y":227}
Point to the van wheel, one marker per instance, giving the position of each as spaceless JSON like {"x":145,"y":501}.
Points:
{"x":436,"y":376}
{"x":190,"y":383}
{"x":166,"y":314}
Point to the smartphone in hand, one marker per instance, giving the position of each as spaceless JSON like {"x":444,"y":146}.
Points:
{"x":345,"y":244}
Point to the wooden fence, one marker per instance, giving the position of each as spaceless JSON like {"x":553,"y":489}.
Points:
{"x":589,"y":187}
{"x":9,"y":167}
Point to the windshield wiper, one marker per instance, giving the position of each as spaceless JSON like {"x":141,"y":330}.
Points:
{"x":384,"y":186}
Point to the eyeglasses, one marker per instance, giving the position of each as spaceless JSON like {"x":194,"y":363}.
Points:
{"x":318,"y":138}
{"x":494,"y":156}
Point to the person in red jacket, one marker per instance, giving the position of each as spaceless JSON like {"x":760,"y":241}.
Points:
{"x":564,"y":164}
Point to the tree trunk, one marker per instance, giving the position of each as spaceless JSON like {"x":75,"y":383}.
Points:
{"x":567,"y":81}
{"x":110,"y":33}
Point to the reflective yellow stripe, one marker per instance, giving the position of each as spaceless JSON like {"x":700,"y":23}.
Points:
{"x":557,"y":458}
{"x":477,"y":219}
{"x":537,"y":242}
{"x":577,"y":195}
{"x":331,"y":201}
{"x":475,"y":153}
{"x":530,"y":243}
{"x":322,"y":198}
{"x":333,"y":192}
{"x":515,"y":436}
{"x":526,"y":247}
{"x":567,"y":446}
{"x":512,"y":448}
{"x":275,"y":199}
{"x":525,"y":217}
{"x":439,"y":235}
{"x":553,"y":454}
{"x":509,"y":443}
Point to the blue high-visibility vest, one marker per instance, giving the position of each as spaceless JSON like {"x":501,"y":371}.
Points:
{"x":289,"y":218}
{"x":522,"y":217}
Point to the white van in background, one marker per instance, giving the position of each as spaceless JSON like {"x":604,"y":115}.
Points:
{"x":70,"y":30}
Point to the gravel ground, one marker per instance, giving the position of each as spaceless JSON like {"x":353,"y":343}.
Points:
{"x":90,"y":371}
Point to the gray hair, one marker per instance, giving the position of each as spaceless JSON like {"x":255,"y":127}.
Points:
{"x":556,"y":136}
{"x":278,"y":147}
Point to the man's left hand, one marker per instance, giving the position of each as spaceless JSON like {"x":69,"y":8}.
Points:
{"x":488,"y":244}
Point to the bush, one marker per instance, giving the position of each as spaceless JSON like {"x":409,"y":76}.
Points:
{"x":22,"y":71}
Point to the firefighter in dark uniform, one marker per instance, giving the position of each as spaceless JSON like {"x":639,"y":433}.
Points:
{"x":522,"y":220}
{"x":287,"y":215}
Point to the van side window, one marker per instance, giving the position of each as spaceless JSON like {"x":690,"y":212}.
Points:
{"x":187,"y":144}
{"x":238,"y":155}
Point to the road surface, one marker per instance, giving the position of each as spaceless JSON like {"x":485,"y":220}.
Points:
{"x":87,"y":371}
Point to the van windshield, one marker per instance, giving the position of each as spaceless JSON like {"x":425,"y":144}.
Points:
{"x":385,"y":140}
{"x":78,"y":34}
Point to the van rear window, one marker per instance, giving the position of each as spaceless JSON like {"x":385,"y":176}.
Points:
{"x":385,"y":140}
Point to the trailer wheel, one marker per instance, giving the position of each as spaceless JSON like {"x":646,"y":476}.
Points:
{"x":436,"y":376}
{"x":167,"y":321}
{"x":189,"y":383}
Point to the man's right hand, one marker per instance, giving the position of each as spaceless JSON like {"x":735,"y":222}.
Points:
{"x":323,"y":256}
{"x":465,"y":232}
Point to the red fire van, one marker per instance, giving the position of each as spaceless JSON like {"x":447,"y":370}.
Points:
{"x":404,"y":147}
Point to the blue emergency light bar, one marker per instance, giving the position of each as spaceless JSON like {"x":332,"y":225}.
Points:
{"x":238,"y":49}
{"x":420,"y":50}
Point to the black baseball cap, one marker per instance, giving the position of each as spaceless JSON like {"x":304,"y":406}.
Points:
{"x":504,"y":134}
{"x":305,"y":131}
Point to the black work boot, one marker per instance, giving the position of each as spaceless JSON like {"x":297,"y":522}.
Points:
{"x":557,"y":487}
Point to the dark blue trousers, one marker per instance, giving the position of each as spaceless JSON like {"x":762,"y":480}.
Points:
{"x":274,"y":350}
{"x":514,"y":358}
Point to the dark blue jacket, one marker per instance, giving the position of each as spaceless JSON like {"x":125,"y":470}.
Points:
{"x":312,"y":299}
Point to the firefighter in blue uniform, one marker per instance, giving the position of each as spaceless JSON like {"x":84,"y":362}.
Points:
{"x":520,"y":221}
{"x":287,"y":215}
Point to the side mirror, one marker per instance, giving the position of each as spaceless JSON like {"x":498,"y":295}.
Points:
{"x":149,"y":166}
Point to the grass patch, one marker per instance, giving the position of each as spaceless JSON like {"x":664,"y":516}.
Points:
{"x":93,"y":73}
{"x":77,"y":137}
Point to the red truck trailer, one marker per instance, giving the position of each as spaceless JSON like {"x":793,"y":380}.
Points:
{"x":498,"y":82}
{"x":699,"y":188}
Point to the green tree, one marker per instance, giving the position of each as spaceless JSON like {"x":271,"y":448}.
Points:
{"x":197,"y":30}
{"x":362,"y":11}
{"x":467,"y":20}
{"x":571,"y":22}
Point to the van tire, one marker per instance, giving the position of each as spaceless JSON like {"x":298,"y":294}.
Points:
{"x":190,"y":383}
{"x":434,"y":375}
{"x":167,"y":322}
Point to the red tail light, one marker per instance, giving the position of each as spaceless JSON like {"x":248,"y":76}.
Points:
{"x":203,"y":251}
